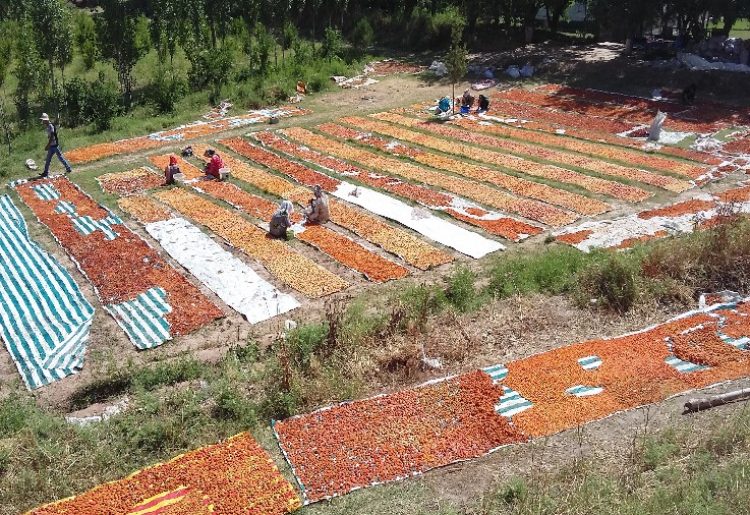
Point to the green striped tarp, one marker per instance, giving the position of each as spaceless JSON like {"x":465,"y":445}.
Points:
{"x":143,"y":318}
{"x":44,"y":318}
{"x":84,"y":224}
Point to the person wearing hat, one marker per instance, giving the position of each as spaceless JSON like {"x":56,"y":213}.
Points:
{"x":53,"y":146}
{"x":214,"y":166}
{"x":317,"y":212}
{"x":171,"y":170}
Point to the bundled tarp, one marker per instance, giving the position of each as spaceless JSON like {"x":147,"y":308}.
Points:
{"x":44,"y":318}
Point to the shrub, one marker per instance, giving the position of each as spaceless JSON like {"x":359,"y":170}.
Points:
{"x":710,"y":260}
{"x":316,"y":83}
{"x":15,"y":413}
{"x":332,"y":45}
{"x":231,"y":404}
{"x":102,"y":103}
{"x":5,"y":459}
{"x":359,"y":323}
{"x":75,"y":99}
{"x":460,"y":290}
{"x":658,"y":450}
{"x":304,"y":341}
{"x":514,"y":491}
{"x":613,"y":284}
{"x":363,"y":35}
{"x":248,"y":353}
{"x":420,"y":302}
{"x":167,"y":373}
{"x":166,"y":90}
{"x":151,"y":436}
{"x":549,"y":271}
{"x":303,"y":53}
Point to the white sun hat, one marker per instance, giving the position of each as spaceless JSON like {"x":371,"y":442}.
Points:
{"x":45,"y":117}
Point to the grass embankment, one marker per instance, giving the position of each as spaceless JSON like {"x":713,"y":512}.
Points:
{"x":674,"y":471}
{"x":180,"y":405}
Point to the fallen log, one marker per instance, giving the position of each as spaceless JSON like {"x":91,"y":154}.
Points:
{"x":694,"y":405}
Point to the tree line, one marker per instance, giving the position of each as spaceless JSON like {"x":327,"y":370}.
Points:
{"x":246,"y":41}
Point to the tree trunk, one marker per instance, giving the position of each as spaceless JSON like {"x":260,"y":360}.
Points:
{"x":529,"y":34}
{"x":6,"y":127}
{"x":729,"y":22}
{"x":554,"y":22}
{"x":453,"y":99}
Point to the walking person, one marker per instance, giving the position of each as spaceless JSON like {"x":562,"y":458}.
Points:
{"x":53,"y":146}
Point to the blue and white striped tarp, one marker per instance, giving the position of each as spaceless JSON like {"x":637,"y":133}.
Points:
{"x":584,"y":391}
{"x":87,"y":225}
{"x":496,"y":372}
{"x":739,"y":343}
{"x":44,"y":318}
{"x":682,"y":366}
{"x":65,"y":207}
{"x":512,"y":403}
{"x":46,"y":192}
{"x":590,"y":362}
{"x":143,"y":318}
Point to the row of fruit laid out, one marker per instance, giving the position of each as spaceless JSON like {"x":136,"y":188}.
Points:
{"x":701,"y":212}
{"x":283,"y":263}
{"x":634,"y":159}
{"x":119,"y":264}
{"x":589,"y":146}
{"x":150,"y":306}
{"x":348,"y":446}
{"x":618,"y":114}
{"x":461,"y":209}
{"x":680,"y":117}
{"x":179,"y":134}
{"x":352,"y":445}
{"x":705,"y":111}
{"x":528,"y":150}
{"x":288,"y":266}
{"x":387,"y":173}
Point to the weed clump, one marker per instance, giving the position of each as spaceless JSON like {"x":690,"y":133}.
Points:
{"x":612,"y":284}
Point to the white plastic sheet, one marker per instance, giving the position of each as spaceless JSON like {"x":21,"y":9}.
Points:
{"x":231,"y":279}
{"x":696,"y":62}
{"x":425,"y":223}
